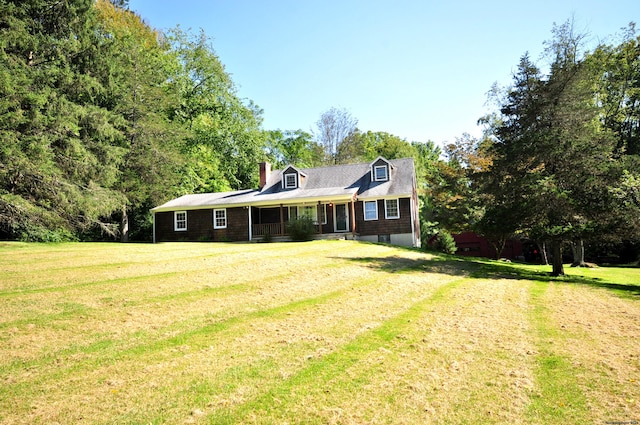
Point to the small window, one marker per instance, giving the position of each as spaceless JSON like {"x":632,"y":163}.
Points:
{"x":380,"y":173}
{"x":370,"y":210}
{"x":220,"y":219}
{"x":290,"y":181}
{"x":180,"y":221}
{"x":391,"y":209}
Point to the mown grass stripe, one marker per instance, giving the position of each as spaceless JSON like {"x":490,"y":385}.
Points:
{"x":321,"y":371}
{"x":177,"y":273}
{"x":558,"y":398}
{"x":147,"y":344}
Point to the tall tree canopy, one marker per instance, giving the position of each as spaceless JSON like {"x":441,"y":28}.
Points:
{"x":102,"y":117}
{"x":225,"y":129}
{"x":60,"y":148}
{"x":555,"y":160}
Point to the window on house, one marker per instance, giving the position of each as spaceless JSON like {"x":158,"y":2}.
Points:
{"x":220,"y":219}
{"x":290,"y":181}
{"x":380,"y":173}
{"x":370,"y":210}
{"x":391,"y":208}
{"x":180,"y":221}
{"x":309,"y":211}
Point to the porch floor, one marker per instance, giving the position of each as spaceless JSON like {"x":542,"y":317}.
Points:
{"x":315,"y":237}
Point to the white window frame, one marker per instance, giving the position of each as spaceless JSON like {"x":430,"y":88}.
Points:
{"x":286,"y":181}
{"x":386,"y":173}
{"x":294,"y":212}
{"x":364,"y":210}
{"x":179,"y":224}
{"x":215,"y":218}
{"x":386,"y":209}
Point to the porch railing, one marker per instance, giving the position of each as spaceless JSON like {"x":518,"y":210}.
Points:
{"x":273,"y":229}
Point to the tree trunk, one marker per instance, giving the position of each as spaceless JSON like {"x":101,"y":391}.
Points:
{"x":556,"y":252}
{"x":578,"y":253}
{"x":498,"y":247}
{"x":545,"y":257}
{"x":124,"y":225}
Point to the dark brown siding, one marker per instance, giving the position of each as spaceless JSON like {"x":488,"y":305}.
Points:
{"x":382,"y":226}
{"x":200,"y":226}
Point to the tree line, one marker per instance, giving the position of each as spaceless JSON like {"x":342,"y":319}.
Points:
{"x":560,"y":159}
{"x":103,"y":117}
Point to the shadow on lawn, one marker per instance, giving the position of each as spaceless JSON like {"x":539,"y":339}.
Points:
{"x":499,"y":270}
{"x":396,"y":264}
{"x":486,"y":269}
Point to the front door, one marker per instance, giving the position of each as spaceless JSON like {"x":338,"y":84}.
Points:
{"x":341,"y":218}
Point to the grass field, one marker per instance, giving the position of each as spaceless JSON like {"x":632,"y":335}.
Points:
{"x":326,"y":332}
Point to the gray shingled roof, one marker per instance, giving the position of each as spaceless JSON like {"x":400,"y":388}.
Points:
{"x":339,"y":182}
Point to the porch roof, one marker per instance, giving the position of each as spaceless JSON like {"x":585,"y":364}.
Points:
{"x":256,"y":198}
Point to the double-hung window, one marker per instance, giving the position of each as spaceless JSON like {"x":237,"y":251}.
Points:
{"x":220,"y":219}
{"x":380,"y":173}
{"x":180,"y":221}
{"x":391,"y":208}
{"x":290,"y":181}
{"x":370,"y":210}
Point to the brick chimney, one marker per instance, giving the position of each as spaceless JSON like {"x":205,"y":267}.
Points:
{"x":265,"y":172}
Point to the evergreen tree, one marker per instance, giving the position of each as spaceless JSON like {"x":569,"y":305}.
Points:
{"x":58,"y":162}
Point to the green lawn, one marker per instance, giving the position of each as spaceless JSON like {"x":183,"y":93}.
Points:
{"x":325,"y":332}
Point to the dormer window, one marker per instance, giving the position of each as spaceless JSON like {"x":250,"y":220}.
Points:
{"x":292,"y":178}
{"x":381,"y":173}
{"x":290,"y":181}
{"x":381,"y":170}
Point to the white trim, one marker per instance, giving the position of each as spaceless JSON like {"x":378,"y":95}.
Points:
{"x":215,"y":225}
{"x":364,"y":210}
{"x":250,"y":225}
{"x":335,"y":221}
{"x":386,"y":173}
{"x":386,"y":209}
{"x":413,"y":224}
{"x":175,"y":221}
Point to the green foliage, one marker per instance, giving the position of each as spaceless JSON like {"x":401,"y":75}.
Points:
{"x":301,"y":229}
{"x":445,"y":243}
{"x":267,"y":237}
{"x":102,"y":118}
{"x":220,"y":123}
{"x":560,"y":148}
{"x":293,"y":147}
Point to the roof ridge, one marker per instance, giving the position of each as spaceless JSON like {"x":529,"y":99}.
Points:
{"x":341,"y":165}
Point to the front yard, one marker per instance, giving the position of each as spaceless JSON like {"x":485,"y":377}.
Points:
{"x":321,"y":332}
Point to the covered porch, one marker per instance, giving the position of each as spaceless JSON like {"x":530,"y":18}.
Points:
{"x":332,"y":219}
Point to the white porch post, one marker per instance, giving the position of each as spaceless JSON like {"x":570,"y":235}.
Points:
{"x":250,"y":224}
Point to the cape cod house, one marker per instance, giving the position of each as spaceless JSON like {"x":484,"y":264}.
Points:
{"x":372,"y":202}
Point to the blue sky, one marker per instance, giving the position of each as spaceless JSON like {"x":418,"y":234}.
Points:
{"x":417,"y":69}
